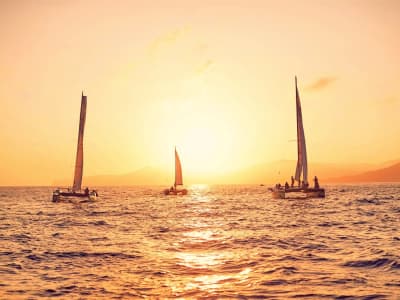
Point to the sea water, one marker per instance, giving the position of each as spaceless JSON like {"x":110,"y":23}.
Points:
{"x":216,"y":242}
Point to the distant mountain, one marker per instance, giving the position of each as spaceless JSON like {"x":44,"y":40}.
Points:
{"x":281,"y":171}
{"x":267,"y":173}
{"x":386,"y":174}
{"x":389,"y":163}
{"x":144,"y":176}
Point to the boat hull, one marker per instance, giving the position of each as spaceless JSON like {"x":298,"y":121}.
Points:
{"x":67,"y":196}
{"x":169,"y":192}
{"x":305,"y":192}
{"x":316,"y":193}
{"x":278,"y":194}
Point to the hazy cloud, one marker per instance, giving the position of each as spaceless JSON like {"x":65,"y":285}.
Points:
{"x":201,"y":48}
{"x":167,"y":39}
{"x":205,"y":66}
{"x":391,"y":100}
{"x":321,"y":83}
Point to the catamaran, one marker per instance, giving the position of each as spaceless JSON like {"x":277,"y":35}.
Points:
{"x":76,"y":190}
{"x":301,"y":168}
{"x":173,"y":190}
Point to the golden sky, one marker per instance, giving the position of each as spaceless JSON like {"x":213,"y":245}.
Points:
{"x":214,"y":78}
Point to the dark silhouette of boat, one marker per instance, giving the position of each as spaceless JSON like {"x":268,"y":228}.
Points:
{"x":173,"y":190}
{"x":76,"y":190}
{"x":280,"y":191}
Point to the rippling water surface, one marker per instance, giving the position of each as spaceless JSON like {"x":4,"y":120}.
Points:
{"x":217,"y":242}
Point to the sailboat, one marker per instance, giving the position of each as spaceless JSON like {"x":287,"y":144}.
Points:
{"x":76,"y":190}
{"x":173,"y":190}
{"x":301,"y":173}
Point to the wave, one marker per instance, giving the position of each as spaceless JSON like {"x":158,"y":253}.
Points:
{"x":204,"y":245}
{"x":374,"y":263}
{"x":21,"y":237}
{"x":80,"y":254}
{"x":340,"y":297}
{"x":305,"y":257}
{"x":73,"y":254}
{"x":98,"y":239}
{"x":283,"y":270}
{"x":375,"y":201}
{"x":329,"y":224}
{"x":72,"y":290}
{"x":98,"y":223}
{"x":358,"y":297}
{"x":283,"y":282}
{"x":340,"y":281}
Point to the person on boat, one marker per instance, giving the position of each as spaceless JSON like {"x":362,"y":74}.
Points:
{"x":292,"y":183}
{"x":87,"y":191}
{"x":316,"y":183}
{"x":171,"y":189}
{"x":286,"y":185}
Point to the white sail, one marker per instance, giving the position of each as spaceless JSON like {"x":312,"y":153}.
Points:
{"x":178,"y":170}
{"x":301,"y":143}
{"x":79,"y":152}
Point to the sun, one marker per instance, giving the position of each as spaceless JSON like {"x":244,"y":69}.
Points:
{"x":201,"y":125}
{"x":199,"y":146}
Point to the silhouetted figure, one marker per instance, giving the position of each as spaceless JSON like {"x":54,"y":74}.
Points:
{"x":286,"y":185}
{"x":316,"y":184}
{"x":87,"y":191}
{"x":171,"y":188}
{"x":292,"y":183}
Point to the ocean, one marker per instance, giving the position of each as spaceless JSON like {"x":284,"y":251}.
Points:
{"x":218,"y":242}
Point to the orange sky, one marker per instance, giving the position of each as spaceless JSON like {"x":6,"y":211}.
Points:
{"x":215,"y":78}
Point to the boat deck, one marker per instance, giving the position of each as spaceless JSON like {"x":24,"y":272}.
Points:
{"x":280,"y":193}
{"x":59,"y":194}
{"x":169,"y":192}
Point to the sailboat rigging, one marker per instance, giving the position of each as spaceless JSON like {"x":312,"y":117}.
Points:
{"x":76,"y":190}
{"x":178,"y":179}
{"x":301,"y":173}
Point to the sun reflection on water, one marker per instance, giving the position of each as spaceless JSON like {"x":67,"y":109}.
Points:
{"x":213,"y":282}
{"x":201,"y":260}
{"x":201,"y":253}
{"x":201,"y":236}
